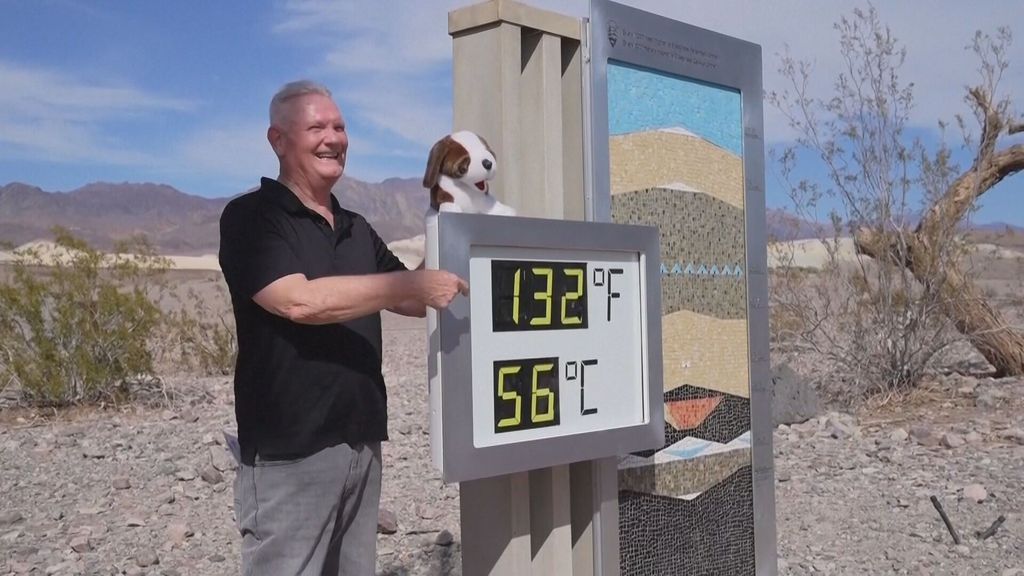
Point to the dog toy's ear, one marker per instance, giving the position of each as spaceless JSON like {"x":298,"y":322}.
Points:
{"x":486,"y":145}
{"x":437,"y":152}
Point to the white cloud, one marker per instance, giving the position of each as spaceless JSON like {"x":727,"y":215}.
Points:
{"x":372,"y":36}
{"x":934,"y":34}
{"x":60,"y":141}
{"x":36,"y":92}
{"x":236,"y":152}
{"x":56,"y":116}
{"x":383,"y":51}
{"x":388,"y":65}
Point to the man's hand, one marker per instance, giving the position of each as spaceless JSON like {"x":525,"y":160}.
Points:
{"x":437,"y":288}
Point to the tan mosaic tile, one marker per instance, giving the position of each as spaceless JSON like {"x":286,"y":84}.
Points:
{"x":705,"y":352}
{"x":654,"y":158}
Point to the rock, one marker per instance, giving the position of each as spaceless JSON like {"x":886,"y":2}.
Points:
{"x":146,"y":557}
{"x":793,"y":399}
{"x":898,"y":436}
{"x":99,"y":508}
{"x":186,"y":475}
{"x":387,"y":521}
{"x":962,"y":550}
{"x":8,"y":517}
{"x":975,"y":493}
{"x":178,"y":532}
{"x":60,"y":567}
{"x":426,"y":512}
{"x":134,"y":522}
{"x":221,"y":459}
{"x":988,"y":399}
{"x":444,"y":538}
{"x":216,"y":558}
{"x":81,"y":544}
{"x":94,"y":452}
{"x":840,"y":430}
{"x":121,"y":483}
{"x":952,"y":440}
{"x":1013,"y":435}
{"x":211,"y":475}
{"x":973,"y":437}
{"x":924,"y":436}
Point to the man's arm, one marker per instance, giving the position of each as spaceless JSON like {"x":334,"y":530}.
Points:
{"x":410,"y":308}
{"x":339,"y":298}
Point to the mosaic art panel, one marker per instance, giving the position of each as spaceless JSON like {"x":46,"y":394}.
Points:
{"x":702,"y":252}
{"x":710,"y":535}
{"x":687,"y":508}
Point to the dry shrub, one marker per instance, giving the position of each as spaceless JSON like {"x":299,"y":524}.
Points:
{"x":74,"y":325}
{"x":78,"y":326}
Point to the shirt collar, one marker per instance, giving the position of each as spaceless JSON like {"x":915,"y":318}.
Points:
{"x":283,"y":196}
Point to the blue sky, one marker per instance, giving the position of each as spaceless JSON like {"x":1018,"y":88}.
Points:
{"x":176,"y":92}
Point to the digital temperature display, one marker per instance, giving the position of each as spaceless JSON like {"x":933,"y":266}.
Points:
{"x":527,"y":394}
{"x":538,"y":295}
{"x":556,"y":342}
{"x":548,"y":360}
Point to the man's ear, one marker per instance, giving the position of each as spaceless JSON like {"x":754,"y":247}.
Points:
{"x":274,"y":137}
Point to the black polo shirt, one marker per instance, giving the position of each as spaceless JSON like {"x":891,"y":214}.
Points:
{"x":301,"y":388}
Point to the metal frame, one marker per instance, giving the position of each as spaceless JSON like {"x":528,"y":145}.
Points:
{"x":739,"y":68}
{"x":451,"y":346}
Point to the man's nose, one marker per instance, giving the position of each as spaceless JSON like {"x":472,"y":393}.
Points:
{"x":487,"y":164}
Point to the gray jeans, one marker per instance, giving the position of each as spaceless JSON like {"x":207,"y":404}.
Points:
{"x":315,"y":516}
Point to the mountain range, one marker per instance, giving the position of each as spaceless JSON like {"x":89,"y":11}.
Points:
{"x":177,"y":223}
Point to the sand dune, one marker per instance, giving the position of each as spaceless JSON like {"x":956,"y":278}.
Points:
{"x":50,"y":253}
{"x":809,"y":253}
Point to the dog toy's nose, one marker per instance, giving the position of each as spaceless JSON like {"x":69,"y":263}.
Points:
{"x":487,"y":164}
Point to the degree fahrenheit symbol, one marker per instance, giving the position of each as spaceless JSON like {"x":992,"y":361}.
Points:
{"x":601,"y":279}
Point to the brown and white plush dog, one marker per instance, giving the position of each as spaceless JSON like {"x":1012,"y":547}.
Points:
{"x":459,"y":170}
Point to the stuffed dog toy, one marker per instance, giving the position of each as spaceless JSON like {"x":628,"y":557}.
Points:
{"x":459,"y":170}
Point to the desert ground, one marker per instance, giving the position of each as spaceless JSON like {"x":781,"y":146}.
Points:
{"x":145,"y":489}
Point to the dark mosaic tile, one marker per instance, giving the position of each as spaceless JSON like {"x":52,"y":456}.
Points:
{"x":728,"y":420}
{"x":678,"y":478}
{"x":702,"y":248}
{"x":711,"y":535}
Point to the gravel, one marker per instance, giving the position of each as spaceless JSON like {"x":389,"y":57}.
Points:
{"x":147,"y":490}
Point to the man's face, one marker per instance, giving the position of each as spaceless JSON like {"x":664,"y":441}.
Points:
{"x":311,"y":141}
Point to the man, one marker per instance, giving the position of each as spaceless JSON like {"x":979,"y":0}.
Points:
{"x":308,"y":280}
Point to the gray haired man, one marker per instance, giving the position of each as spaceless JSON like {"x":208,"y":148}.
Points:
{"x":308,"y":280}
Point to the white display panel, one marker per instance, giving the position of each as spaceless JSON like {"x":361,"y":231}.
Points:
{"x":541,"y":292}
{"x":568,"y":369}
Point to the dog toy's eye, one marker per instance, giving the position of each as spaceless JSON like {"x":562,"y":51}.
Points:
{"x":462,"y":168}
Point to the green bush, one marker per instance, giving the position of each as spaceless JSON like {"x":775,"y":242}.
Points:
{"x":75,"y":325}
{"x":203,"y":339}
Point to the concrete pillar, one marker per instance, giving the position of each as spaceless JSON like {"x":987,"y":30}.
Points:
{"x":517,"y":79}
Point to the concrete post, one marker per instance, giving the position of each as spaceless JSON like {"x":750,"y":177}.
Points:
{"x":517,"y":79}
